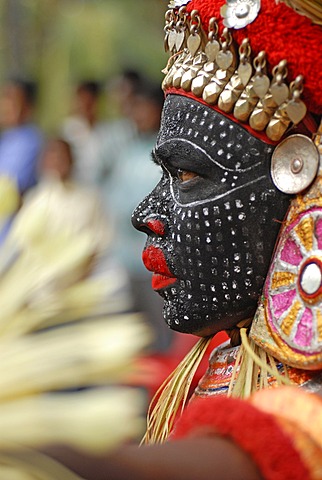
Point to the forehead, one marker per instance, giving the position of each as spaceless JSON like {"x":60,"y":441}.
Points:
{"x":186,"y":120}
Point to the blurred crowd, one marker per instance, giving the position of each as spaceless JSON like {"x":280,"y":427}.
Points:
{"x":96,"y":169}
{"x":91,"y":174}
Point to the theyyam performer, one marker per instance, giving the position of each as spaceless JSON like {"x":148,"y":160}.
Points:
{"x":234,"y":241}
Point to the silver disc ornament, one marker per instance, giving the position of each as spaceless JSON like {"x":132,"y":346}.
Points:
{"x":294,"y":164}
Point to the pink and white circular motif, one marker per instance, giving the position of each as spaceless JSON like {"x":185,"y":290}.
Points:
{"x":293,"y":287}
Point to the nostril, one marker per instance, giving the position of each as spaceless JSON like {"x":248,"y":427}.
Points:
{"x":143,"y":228}
{"x":156,"y":226}
{"x":149,"y":225}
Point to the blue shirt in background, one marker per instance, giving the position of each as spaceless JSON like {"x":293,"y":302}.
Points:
{"x":20,"y":148}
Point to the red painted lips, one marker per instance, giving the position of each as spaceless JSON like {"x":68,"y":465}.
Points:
{"x":154,"y":261}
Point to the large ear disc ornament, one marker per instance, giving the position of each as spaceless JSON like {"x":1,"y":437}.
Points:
{"x":294,"y":164}
{"x":293,"y":290}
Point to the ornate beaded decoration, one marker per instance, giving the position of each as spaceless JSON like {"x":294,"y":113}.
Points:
{"x":295,"y":284}
{"x":288,"y":322}
{"x":209,"y":66}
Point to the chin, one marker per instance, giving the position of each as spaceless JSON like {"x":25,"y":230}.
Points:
{"x":190,"y":317}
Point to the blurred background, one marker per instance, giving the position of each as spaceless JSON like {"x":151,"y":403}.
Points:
{"x":60,"y":42}
{"x":80,"y":109}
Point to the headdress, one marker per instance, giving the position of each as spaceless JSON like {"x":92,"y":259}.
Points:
{"x":255,"y":61}
{"x":258,"y":62}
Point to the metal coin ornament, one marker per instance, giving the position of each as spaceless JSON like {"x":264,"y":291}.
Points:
{"x":245,"y":69}
{"x":294,"y":164}
{"x":239,"y":13}
{"x":296,"y":109}
{"x":245,"y":72}
{"x":279,"y":92}
{"x":225,"y":57}
{"x":194,"y":42}
{"x":194,"y":39}
{"x":261,"y":82}
{"x":261,"y":85}
{"x":181,"y":28}
{"x":167,"y":29}
{"x":172,"y":39}
{"x":180,"y":40}
{"x":212,"y":47}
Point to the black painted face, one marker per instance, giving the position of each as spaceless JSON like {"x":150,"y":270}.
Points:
{"x":212,"y":221}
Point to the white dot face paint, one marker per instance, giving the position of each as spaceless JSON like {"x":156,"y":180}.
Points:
{"x":214,"y":234}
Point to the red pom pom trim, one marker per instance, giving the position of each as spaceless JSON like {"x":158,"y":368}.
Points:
{"x":256,"y":432}
{"x":283,"y":34}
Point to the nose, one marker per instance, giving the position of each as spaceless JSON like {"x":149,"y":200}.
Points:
{"x":147,"y":219}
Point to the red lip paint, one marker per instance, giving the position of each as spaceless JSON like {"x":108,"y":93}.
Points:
{"x":153,"y":259}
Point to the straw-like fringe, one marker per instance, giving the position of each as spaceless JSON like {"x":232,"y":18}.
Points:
{"x":251,"y":372}
{"x":310,"y":8}
{"x":254,"y":365}
{"x":172,"y":395}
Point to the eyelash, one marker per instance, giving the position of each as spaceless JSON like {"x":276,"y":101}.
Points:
{"x":177,"y":174}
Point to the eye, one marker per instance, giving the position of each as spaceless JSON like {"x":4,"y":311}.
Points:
{"x":185,"y":175}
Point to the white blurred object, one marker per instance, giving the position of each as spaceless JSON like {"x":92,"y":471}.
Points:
{"x":47,"y":280}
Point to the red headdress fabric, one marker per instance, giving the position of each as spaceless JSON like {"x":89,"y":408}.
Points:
{"x":283,"y":34}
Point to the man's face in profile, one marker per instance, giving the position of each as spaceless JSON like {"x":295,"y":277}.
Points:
{"x":212,"y":221}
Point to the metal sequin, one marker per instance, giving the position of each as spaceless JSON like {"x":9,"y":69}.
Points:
{"x":178,"y":3}
{"x":239,"y":13}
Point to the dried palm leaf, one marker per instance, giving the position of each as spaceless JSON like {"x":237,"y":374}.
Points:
{"x":61,"y":329}
{"x":171,"y":397}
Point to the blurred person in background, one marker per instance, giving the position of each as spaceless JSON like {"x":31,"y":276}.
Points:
{"x":56,"y":160}
{"x":20,"y":141}
{"x":120,"y":129}
{"x":77,"y":207}
{"x":85,"y":132}
{"x":65,"y":197}
{"x":123,"y":88}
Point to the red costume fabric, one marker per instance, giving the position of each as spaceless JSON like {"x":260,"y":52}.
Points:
{"x":277,"y":444}
{"x":282,"y":33}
